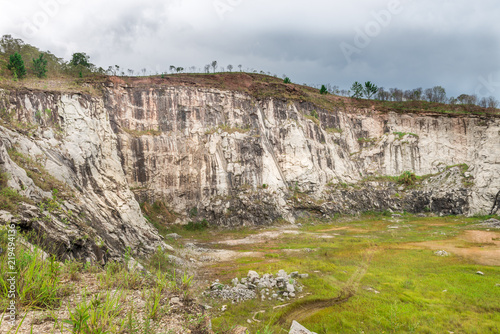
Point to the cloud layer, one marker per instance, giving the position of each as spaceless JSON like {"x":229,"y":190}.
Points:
{"x":394,"y":43}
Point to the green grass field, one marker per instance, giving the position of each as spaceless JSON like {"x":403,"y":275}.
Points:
{"x":397,"y":286}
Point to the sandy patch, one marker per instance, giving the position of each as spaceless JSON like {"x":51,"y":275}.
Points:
{"x":487,"y":251}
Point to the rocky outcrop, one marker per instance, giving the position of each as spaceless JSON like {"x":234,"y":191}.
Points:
{"x":229,"y":158}
{"x":65,"y":142}
{"x":239,"y":160}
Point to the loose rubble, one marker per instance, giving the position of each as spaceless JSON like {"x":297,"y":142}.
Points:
{"x":441,"y":253}
{"x":491,"y":223}
{"x":279,"y":287}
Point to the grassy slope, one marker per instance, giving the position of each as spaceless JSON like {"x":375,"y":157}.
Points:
{"x":257,"y":85}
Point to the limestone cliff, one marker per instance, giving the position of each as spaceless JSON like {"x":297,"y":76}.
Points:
{"x":240,"y":160}
{"x":92,"y":214}
{"x":230,"y":158}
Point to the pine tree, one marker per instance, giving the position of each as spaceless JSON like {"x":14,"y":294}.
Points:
{"x":323,"y":90}
{"x":39,"y":66}
{"x":16,"y":65}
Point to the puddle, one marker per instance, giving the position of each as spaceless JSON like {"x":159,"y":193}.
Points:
{"x":482,"y":247}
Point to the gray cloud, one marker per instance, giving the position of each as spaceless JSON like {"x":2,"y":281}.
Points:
{"x":423,"y":43}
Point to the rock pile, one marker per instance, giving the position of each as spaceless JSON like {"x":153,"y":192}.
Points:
{"x":281,"y":287}
{"x":492,"y":223}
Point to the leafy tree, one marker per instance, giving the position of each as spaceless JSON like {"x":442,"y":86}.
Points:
{"x":80,"y":58}
{"x":173,"y":68}
{"x":207,"y":68}
{"x":16,"y":65}
{"x":230,"y":68}
{"x":240,"y":66}
{"x":357,"y":90}
{"x":370,"y":89}
{"x":323,"y":90}
{"x":40,"y":66}
{"x":214,"y":65}
{"x":287,"y":80}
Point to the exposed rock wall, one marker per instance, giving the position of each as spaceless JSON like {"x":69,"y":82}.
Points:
{"x":232,"y":159}
{"x":223,"y":151}
{"x":70,"y":136}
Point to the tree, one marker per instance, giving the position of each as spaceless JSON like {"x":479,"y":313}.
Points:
{"x":143,"y":71}
{"x":492,"y":102}
{"x":40,"y":66}
{"x":207,"y":68}
{"x":240,"y":66}
{"x":396,"y":94}
{"x":173,"y":68}
{"x":383,"y":95}
{"x":439,"y":94}
{"x":357,"y":89}
{"x":214,"y":65}
{"x":416,"y":94}
{"x":230,"y":68}
{"x":287,"y":80}
{"x":179,"y":69}
{"x":80,"y":58}
{"x":323,"y":90}
{"x":370,"y":89}
{"x":130,"y":72}
{"x":16,"y":65}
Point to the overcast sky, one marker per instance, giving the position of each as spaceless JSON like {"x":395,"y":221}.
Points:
{"x":405,"y":44}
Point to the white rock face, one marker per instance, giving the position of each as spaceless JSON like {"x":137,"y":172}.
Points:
{"x":85,"y":157}
{"x":237,"y":160}
{"x":214,"y":145}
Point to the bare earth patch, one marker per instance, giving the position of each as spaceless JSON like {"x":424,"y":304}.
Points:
{"x":482,"y":247}
{"x":257,"y":238}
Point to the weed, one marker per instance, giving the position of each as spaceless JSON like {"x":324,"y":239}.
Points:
{"x":196,"y":226}
{"x":98,"y":315}
{"x":38,"y":279}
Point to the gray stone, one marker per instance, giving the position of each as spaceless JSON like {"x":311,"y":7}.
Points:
{"x":281,"y":273}
{"x":5,"y":217}
{"x":303,"y":275}
{"x":441,"y":253}
{"x":173,"y":236}
{"x":297,"y":328}
{"x":290,"y":288}
{"x":479,"y":273}
{"x":252,"y":275}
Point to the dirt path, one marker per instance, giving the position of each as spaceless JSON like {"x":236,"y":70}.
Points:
{"x":306,"y":309}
